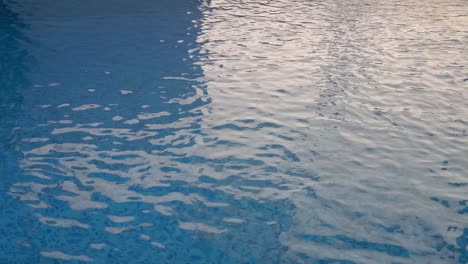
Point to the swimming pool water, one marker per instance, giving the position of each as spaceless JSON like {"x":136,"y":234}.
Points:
{"x":225,"y":131}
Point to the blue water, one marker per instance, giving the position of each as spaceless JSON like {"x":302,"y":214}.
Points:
{"x":222,"y":131}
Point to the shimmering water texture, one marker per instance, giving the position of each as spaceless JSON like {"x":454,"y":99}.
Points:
{"x":224,"y":131}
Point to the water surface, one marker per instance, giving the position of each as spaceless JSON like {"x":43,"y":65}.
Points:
{"x":234,"y":131}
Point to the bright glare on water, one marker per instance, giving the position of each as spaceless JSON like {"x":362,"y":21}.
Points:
{"x":228,"y":131}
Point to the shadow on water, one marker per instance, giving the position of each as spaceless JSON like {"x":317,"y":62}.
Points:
{"x":15,"y":65}
{"x":106,"y":129}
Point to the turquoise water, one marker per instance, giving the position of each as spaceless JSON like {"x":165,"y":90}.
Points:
{"x":226,"y":131}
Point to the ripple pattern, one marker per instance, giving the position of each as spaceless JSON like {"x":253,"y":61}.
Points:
{"x":232,"y":131}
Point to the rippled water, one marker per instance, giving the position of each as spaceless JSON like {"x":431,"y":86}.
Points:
{"x":231,"y":131}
